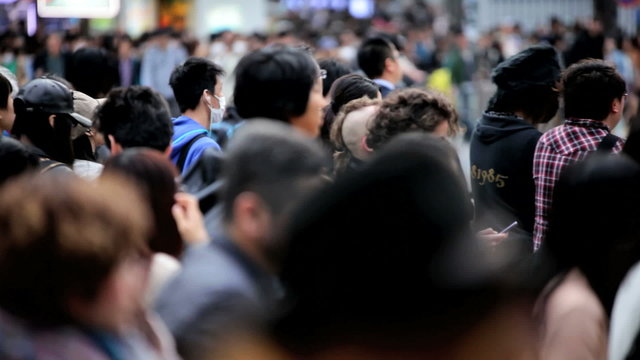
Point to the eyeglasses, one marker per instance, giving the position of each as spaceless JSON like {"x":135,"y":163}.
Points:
{"x":323,"y":74}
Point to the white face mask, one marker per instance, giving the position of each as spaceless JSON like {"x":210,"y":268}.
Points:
{"x":216,"y":115}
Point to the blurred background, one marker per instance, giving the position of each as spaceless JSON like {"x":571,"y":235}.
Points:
{"x":448,"y":45}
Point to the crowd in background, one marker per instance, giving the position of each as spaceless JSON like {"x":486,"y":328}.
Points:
{"x":454,"y":59}
{"x":296,"y":195}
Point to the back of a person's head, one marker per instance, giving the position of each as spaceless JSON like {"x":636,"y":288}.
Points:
{"x":34,"y":105}
{"x":345,"y":89}
{"x":410,"y":110}
{"x":588,"y":89}
{"x":93,"y":71}
{"x":350,"y":129}
{"x":155,"y":176}
{"x":136,"y":116}
{"x":15,"y":159}
{"x":11,"y":77}
{"x":335,"y":69}
{"x":526,"y":83}
{"x":372,"y":56}
{"x":62,"y":237}
{"x":391,"y":257}
{"x":274,"y":83}
{"x":190,"y":79}
{"x":272,"y":160}
{"x":593,"y":223}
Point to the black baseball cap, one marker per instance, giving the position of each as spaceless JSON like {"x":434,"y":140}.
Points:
{"x":48,"y":96}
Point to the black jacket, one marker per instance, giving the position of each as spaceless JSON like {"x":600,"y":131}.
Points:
{"x":502,"y":149}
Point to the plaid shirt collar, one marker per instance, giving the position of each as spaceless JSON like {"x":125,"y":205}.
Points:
{"x":586,"y":123}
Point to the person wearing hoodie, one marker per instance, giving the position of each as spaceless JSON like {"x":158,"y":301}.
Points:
{"x":197,"y":86}
{"x":503,"y":144}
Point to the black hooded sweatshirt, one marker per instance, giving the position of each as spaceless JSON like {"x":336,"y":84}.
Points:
{"x":502,"y":149}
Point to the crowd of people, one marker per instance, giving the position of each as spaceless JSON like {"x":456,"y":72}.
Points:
{"x":322,"y":212}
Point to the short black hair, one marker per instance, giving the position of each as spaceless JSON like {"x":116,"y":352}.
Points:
{"x":588,"y":88}
{"x":136,"y":116}
{"x":93,"y":71}
{"x":5,"y":91}
{"x":372,"y":56}
{"x":274,"y":82}
{"x":335,"y":69}
{"x":191,"y":78}
{"x":272,"y":160}
{"x":15,"y":159}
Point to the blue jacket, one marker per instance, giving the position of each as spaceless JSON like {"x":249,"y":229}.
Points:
{"x":185,"y":129}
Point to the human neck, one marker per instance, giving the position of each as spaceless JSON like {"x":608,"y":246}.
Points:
{"x":250,"y":248}
{"x":611,"y":121}
{"x":199,"y":115}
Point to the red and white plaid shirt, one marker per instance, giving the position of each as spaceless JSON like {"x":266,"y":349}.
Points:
{"x":557,"y":148}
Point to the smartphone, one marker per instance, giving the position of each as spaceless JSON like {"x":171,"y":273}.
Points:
{"x":508,"y":227}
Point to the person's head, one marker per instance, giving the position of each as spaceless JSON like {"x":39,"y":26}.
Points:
{"x":7,"y":114}
{"x":345,"y":89}
{"x":335,"y":69}
{"x":378,"y":58}
{"x":268,"y":168}
{"x":13,"y":80}
{"x":136,"y":116}
{"x":125,"y":47}
{"x":71,"y":251}
{"x":281,"y":83}
{"x":15,"y":159}
{"x":349,"y":131}
{"x":592,"y":89}
{"x":382,"y":262}
{"x":155,"y":176}
{"x":92,"y":70}
{"x":526,"y":84}
{"x":411,"y":110}
{"x":605,"y":190}
{"x":54,"y":44}
{"x":45,"y":118}
{"x":197,"y":86}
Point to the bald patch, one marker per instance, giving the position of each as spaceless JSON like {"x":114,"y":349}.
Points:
{"x":355,"y":128}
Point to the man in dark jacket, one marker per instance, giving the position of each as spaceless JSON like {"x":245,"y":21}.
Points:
{"x":503,"y":144}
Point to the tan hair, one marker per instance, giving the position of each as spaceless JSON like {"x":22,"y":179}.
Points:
{"x":342,"y":155}
{"x":61,"y":238}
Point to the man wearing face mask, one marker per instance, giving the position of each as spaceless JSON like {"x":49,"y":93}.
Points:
{"x":197,"y":86}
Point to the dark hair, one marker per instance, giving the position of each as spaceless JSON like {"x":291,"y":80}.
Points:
{"x":155,"y":175}
{"x":272,"y":160}
{"x":93,"y":71}
{"x":588,"y":89}
{"x":368,"y":239}
{"x":136,"y":116}
{"x":372,"y":56}
{"x":606,"y":247}
{"x":539,"y":103}
{"x":69,"y":235}
{"x":54,"y":141}
{"x":15,"y":159}
{"x":335,"y":69}
{"x":344,"y":90}
{"x":190,"y":79}
{"x":410,"y":110}
{"x":274,"y":83}
{"x":5,"y":91}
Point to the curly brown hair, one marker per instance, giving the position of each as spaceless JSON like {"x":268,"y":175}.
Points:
{"x":411,"y":110}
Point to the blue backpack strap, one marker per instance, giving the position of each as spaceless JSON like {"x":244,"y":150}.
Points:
{"x":185,"y":150}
